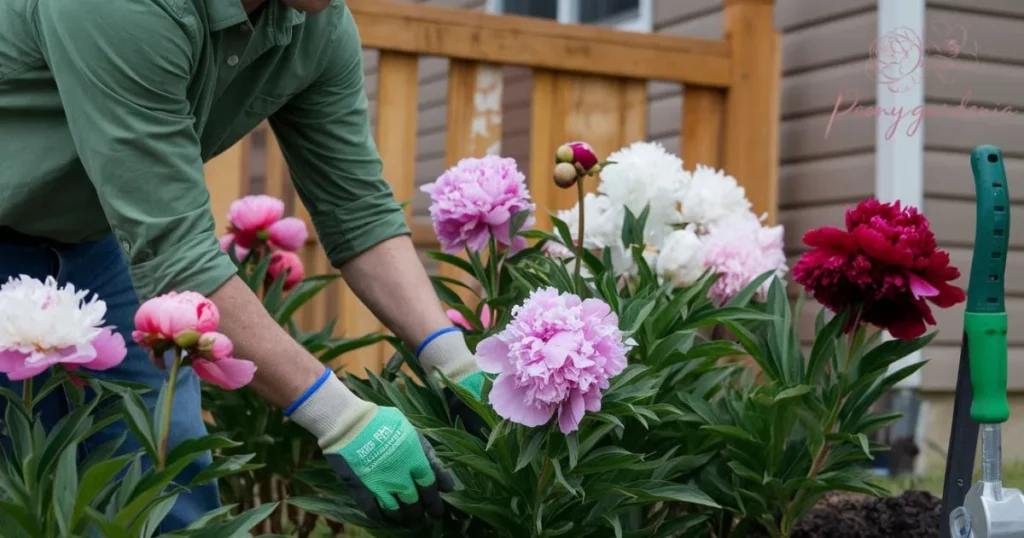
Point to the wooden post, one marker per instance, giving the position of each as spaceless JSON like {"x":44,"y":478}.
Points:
{"x":226,"y":179}
{"x":751,"y":107}
{"x":397,"y":113}
{"x":473,"y":130}
{"x":703,"y":117}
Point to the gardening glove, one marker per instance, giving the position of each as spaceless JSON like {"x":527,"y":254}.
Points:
{"x":389,"y":468}
{"x":446,"y":351}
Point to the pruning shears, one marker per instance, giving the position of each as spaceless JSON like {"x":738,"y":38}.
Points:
{"x":986,"y":509}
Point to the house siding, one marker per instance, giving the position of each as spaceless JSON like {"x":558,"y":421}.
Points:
{"x":991,"y":79}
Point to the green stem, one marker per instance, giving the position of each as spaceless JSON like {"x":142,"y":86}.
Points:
{"x":493,"y":260}
{"x":26,"y":394}
{"x":579,"y":237}
{"x":165,"y":426}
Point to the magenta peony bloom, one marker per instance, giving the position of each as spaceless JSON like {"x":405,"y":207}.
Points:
{"x":218,"y":366}
{"x":486,"y":318}
{"x":739,"y":249}
{"x":283,"y":261}
{"x":579,"y":154}
{"x":287,"y":234}
{"x":557,"y":353}
{"x":43,"y":324}
{"x":476,"y":199}
{"x":167,"y":317}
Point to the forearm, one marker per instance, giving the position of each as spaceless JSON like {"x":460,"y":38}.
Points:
{"x":390,"y":280}
{"x":284,"y":369}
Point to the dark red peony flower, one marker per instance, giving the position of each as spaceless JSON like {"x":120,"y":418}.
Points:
{"x":886,"y":263}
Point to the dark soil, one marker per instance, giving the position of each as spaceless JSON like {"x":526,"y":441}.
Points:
{"x":914,"y":514}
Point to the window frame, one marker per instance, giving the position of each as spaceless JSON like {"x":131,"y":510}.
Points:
{"x":568,"y":13}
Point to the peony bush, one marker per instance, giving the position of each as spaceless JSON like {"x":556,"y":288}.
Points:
{"x":55,"y":334}
{"x":614,"y":405}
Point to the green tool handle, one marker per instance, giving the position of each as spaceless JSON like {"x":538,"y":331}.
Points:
{"x":985,"y":320}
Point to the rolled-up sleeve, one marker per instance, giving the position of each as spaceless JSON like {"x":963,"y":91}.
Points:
{"x":122,"y":70}
{"x":326,"y":139}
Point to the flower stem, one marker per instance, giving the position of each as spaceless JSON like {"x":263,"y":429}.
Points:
{"x":579,"y":237}
{"x":26,"y":394}
{"x":165,"y":426}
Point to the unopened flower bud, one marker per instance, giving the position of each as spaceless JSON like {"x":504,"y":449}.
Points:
{"x":565,"y":175}
{"x":583,"y":156}
{"x":186,"y":339}
{"x":564,"y":154}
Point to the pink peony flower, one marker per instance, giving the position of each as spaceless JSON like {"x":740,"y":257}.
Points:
{"x":284,"y":261}
{"x":287,"y":234}
{"x":557,"y":353}
{"x":218,"y":366}
{"x":250,"y":215}
{"x":225,"y":243}
{"x":169,"y":316}
{"x":739,"y":249}
{"x":476,"y":199}
{"x":486,"y":318}
{"x":43,"y":324}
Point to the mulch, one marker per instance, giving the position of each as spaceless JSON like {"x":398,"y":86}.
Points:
{"x":914,"y":514}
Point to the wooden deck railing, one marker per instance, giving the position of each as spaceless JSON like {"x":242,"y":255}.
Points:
{"x":589,"y":83}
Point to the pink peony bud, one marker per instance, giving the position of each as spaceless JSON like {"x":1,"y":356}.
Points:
{"x":168,"y":316}
{"x":583,"y":156}
{"x":565,"y":175}
{"x":215,"y":346}
{"x":228,"y":373}
{"x":282,"y":261}
{"x":288,"y":234}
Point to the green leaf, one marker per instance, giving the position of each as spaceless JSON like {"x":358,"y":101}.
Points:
{"x":534,"y":440}
{"x":825,"y":346}
{"x":743,"y":297}
{"x":239,"y":526}
{"x":137,"y":419}
{"x":711,"y":316}
{"x":730,"y":431}
{"x":224,"y":466}
{"x":451,"y":260}
{"x":794,"y":392}
{"x":93,"y":481}
{"x":350,"y":344}
{"x":258,"y":275}
{"x":573,"y":442}
{"x":306,"y":290}
{"x":609,"y":458}
{"x":652,"y":491}
{"x":516,"y":223}
{"x":564,"y":233}
{"x":65,"y":484}
{"x":272,"y":298}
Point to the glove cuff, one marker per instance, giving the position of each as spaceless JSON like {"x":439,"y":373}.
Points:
{"x":331,"y":412}
{"x":446,"y":351}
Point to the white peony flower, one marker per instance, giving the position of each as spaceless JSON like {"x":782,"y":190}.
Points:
{"x":40,"y":318}
{"x":681,"y":260}
{"x":645,"y":174}
{"x":712,"y":196}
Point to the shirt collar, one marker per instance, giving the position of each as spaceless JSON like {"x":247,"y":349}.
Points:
{"x":227,"y":13}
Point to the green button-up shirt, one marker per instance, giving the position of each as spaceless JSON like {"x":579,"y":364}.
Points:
{"x":109,"y":108}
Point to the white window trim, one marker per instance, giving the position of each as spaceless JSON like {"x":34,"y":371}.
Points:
{"x":569,"y":9}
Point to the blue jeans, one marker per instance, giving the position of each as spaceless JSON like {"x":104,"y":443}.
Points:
{"x":100,"y":267}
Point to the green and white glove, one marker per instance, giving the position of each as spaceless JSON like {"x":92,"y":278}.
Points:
{"x":446,"y":351}
{"x":389,"y":468}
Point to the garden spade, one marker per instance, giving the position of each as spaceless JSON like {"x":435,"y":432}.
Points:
{"x":987,"y":510}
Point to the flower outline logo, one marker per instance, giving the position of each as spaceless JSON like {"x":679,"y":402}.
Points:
{"x":896,"y":59}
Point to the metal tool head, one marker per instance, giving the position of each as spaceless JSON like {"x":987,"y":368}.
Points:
{"x":989,"y":511}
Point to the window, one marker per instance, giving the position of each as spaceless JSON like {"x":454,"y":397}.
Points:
{"x":634,"y":15}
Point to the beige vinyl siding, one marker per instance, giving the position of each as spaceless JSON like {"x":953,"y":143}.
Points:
{"x":994,"y":79}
